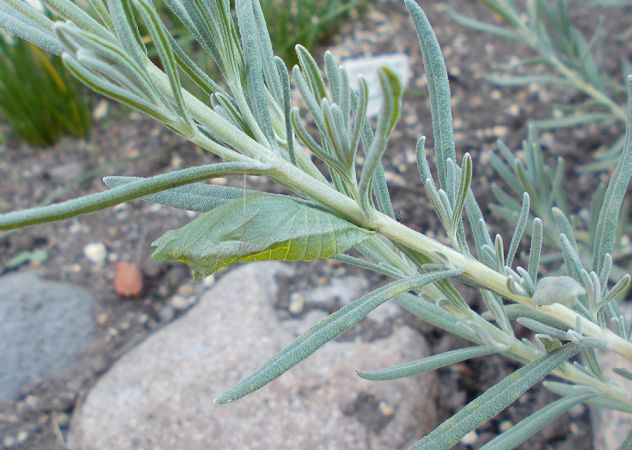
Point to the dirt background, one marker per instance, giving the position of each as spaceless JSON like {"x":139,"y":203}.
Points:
{"x":125,"y":143}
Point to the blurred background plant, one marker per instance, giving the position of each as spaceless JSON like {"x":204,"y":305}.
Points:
{"x":569,"y":59}
{"x":564,"y":56}
{"x":306,"y":22}
{"x":545,"y":186}
{"x":290,"y":22}
{"x":38,"y":98}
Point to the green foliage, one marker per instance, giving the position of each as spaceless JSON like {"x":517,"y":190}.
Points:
{"x":39,"y":99}
{"x":247,"y":229}
{"x":248,"y":120}
{"x":305,"y":22}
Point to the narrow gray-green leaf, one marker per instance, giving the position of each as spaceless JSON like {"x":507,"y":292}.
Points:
{"x":494,"y":400}
{"x":382,"y":268}
{"x":533,"y":424}
{"x":510,"y":81}
{"x":70,"y":11}
{"x":312,"y":73}
{"x":519,"y":230}
{"x":126,"y":29}
{"x":438,"y":88}
{"x":618,"y":290}
{"x":121,"y":194}
{"x":284,"y":79}
{"x":325,"y":331}
{"x":535,"y":250}
{"x":434,"y":315}
{"x":19,"y":18}
{"x":158,"y":34}
{"x":270,"y":69}
{"x":103,"y":86}
{"x":482,"y":27}
{"x":606,"y":231}
{"x":464,"y":188}
{"x":192,"y":70}
{"x":41,"y":38}
{"x":196,"y":197}
{"x":411,"y":368}
{"x":389,"y":114}
{"x":254,"y":60}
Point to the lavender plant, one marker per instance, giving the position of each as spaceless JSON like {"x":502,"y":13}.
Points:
{"x":563,"y":56}
{"x":249,"y":122}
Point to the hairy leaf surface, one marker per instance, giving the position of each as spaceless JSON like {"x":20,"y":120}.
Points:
{"x":258,"y":227}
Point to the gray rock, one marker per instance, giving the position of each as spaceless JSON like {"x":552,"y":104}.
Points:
{"x":160,"y":395}
{"x":340,"y":291}
{"x":610,"y":427}
{"x":44,"y":328}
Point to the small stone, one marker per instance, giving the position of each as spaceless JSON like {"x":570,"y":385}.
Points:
{"x":500,"y":131}
{"x":167,"y":313}
{"x":386,"y":409}
{"x":185,"y":290}
{"x":179,"y":303}
{"x":470,"y":438}
{"x":95,"y":252}
{"x":22,"y":436}
{"x":75,"y":228}
{"x":143,"y":318}
{"x":297,"y":303}
{"x":128,"y":281}
{"x":8,"y":441}
{"x":101,"y":110}
{"x":102,"y":319}
{"x":505,"y":425}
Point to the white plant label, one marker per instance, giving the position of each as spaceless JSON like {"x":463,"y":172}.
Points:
{"x":368,"y":67}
